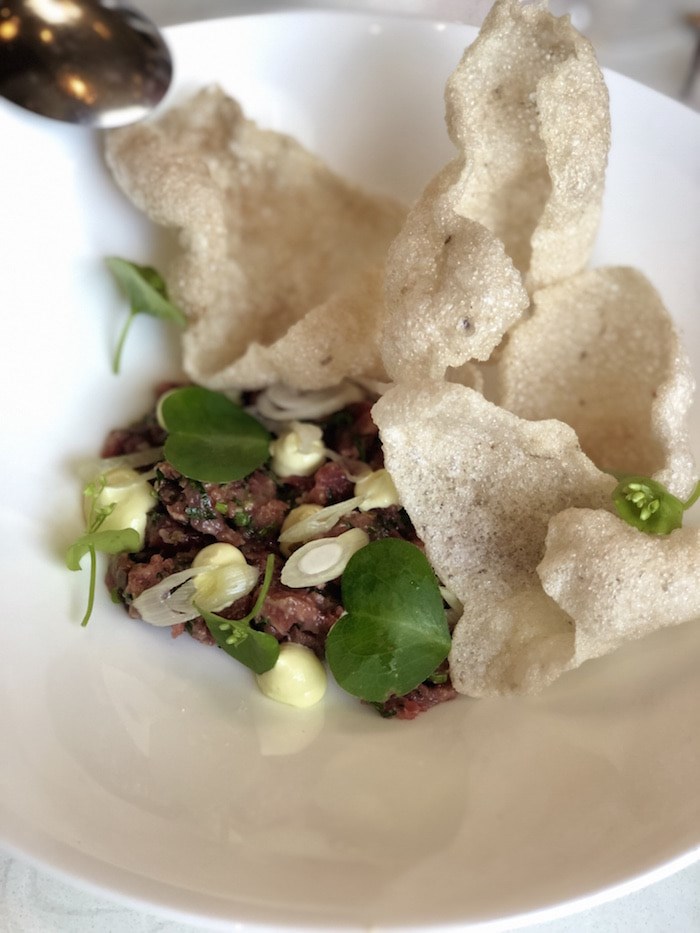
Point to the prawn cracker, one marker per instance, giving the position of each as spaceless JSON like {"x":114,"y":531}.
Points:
{"x":451,"y":291}
{"x":528,"y":109}
{"x":516,"y":209}
{"x":601,"y":353}
{"x":278,"y":263}
{"x":480,"y":486}
{"x":617,"y":583}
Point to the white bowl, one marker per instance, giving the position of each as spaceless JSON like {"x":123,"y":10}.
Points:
{"x":151,"y":768}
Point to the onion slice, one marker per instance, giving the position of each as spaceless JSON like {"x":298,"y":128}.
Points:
{"x":172,"y":600}
{"x":319,"y":522}
{"x":454,"y":606}
{"x":280,"y":402}
{"x":322,"y":560}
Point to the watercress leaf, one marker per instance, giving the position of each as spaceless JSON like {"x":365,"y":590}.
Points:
{"x":146,"y":293}
{"x":107,"y":542}
{"x":394,"y":633}
{"x":647,"y":505}
{"x":211,"y":439}
{"x":256,"y":650}
{"x":145,"y":290}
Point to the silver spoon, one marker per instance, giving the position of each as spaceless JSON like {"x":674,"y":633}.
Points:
{"x":100,"y":64}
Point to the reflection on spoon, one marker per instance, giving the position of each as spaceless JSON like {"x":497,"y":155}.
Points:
{"x":98,"y":64}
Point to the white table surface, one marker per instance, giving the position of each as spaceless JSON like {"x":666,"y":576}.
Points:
{"x":656,"y":49}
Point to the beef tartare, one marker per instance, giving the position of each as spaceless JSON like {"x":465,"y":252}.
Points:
{"x":250,"y":514}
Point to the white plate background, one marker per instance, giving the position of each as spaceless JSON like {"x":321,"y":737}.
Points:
{"x":151,"y":768}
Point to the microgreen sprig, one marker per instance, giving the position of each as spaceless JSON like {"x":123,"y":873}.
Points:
{"x":94,"y":540}
{"x":146,"y":293}
{"x":649,"y":506}
{"x":256,"y":650}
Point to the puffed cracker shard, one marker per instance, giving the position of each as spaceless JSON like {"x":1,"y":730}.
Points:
{"x":617,"y":583}
{"x":527,"y":108}
{"x":451,"y":291}
{"x":601,"y":353}
{"x":278,"y":263}
{"x":480,"y":486}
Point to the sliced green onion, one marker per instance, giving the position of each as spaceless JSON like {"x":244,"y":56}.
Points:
{"x":298,"y":451}
{"x":223,"y":584}
{"x":455,"y":607}
{"x":171,"y":600}
{"x":322,"y":560}
{"x":319,"y":522}
{"x":377,"y":491}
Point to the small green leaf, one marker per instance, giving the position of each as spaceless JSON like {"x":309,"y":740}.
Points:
{"x":394,"y":634}
{"x":146,"y":293}
{"x":210,"y":438}
{"x":107,"y":542}
{"x":257,"y":650}
{"x":647,"y":505}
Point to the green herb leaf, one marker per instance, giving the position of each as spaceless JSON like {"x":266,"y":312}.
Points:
{"x":648,"y":505}
{"x":257,"y":650}
{"x":394,"y":634}
{"x":210,"y":438}
{"x":146,"y":293}
{"x":107,"y":542}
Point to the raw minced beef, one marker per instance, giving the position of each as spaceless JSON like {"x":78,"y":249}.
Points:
{"x":249,"y":513}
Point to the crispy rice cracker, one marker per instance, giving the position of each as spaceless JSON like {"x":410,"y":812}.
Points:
{"x":279,"y":261}
{"x":527,"y":107}
{"x":616,"y":582}
{"x":480,"y":486}
{"x":601,"y":353}
{"x":451,"y":291}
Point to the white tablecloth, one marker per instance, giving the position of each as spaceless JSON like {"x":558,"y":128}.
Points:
{"x":32,"y":900}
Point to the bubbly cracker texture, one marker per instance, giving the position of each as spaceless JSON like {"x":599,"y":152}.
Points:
{"x":451,"y":291}
{"x":617,"y":582}
{"x":527,"y":108}
{"x":279,"y":263}
{"x":601,"y":353}
{"x":480,"y":485}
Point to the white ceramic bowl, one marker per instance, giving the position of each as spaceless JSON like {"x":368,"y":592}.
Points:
{"x":152,"y":769}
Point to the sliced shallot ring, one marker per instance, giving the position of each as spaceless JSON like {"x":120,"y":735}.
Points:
{"x":320,"y":522}
{"x":172,"y":599}
{"x":322,"y":560}
{"x":283,"y":403}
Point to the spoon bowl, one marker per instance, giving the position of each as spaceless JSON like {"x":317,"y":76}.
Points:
{"x":98,"y":64}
